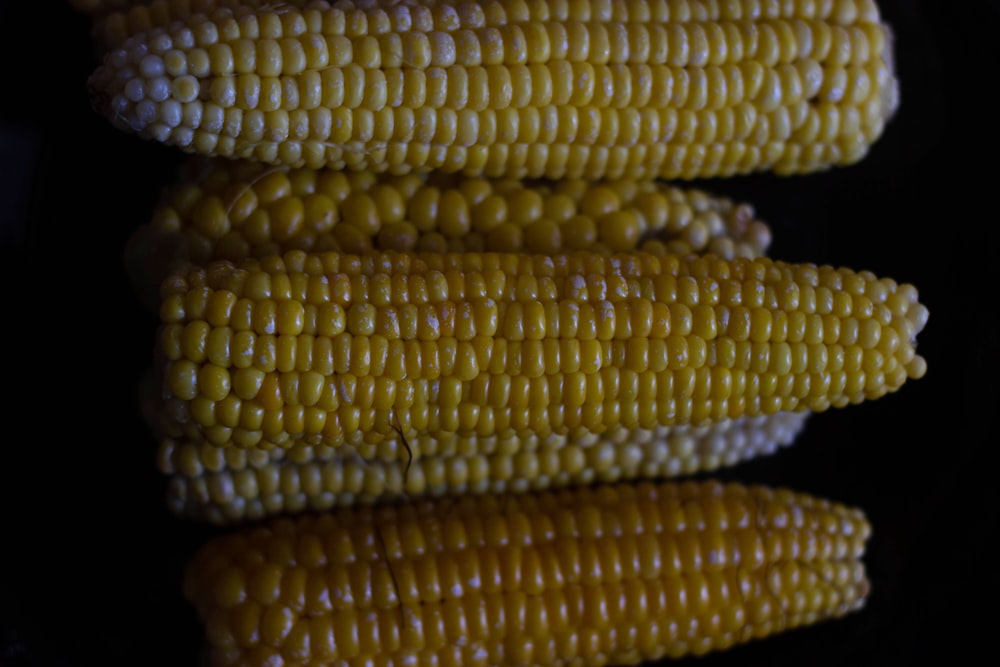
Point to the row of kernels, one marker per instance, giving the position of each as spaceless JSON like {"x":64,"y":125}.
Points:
{"x":676,"y":448}
{"x":448,"y":15}
{"x":298,"y":279}
{"x":246,"y":356}
{"x":430,"y":633}
{"x":246,"y":298}
{"x":213,"y":367}
{"x":476,"y":88}
{"x":549,"y":128}
{"x":365,"y":481}
{"x":723,"y":136}
{"x":561,"y":533}
{"x":701,"y":396}
{"x":284,"y":331}
{"x":558,"y":84}
{"x":767,"y":40}
{"x":280,"y":273}
{"x":238,"y":222}
{"x":526,"y":160}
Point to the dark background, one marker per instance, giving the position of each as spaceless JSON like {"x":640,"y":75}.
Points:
{"x":90,"y":560}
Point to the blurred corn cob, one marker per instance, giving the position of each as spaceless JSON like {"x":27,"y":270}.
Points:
{"x":610,"y":575}
{"x":234,"y":209}
{"x":508,"y":88}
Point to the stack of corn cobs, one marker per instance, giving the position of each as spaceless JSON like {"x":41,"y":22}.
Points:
{"x":442,"y":329}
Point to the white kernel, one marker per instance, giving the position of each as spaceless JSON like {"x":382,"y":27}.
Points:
{"x":170,"y":113}
{"x":160,"y":43}
{"x":158,"y":89}
{"x":123,"y":76}
{"x":158,"y":132}
{"x":130,"y":43}
{"x":137,"y":51}
{"x":135,"y":90}
{"x":183,"y":38}
{"x":151,"y":66}
{"x":145,"y":112}
{"x":182,"y":136}
{"x":119,"y":104}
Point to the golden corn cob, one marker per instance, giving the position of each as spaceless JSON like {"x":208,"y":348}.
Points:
{"x":607,"y":575}
{"x":333,"y":349}
{"x":235,"y":209}
{"x":230,"y":485}
{"x":677,"y":89}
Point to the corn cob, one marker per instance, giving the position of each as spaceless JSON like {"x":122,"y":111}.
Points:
{"x":333,"y":349}
{"x":230,"y":485}
{"x":234,"y":209}
{"x":677,"y":89}
{"x":608,"y":575}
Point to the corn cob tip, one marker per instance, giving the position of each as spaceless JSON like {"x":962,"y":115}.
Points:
{"x":916,"y":318}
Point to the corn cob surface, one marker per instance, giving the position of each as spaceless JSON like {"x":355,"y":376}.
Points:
{"x":235,"y":209}
{"x":333,"y":349}
{"x":230,"y":485}
{"x":508,"y":88}
{"x":606,"y":575}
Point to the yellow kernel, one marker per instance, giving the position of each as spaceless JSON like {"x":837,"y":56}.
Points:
{"x":619,"y":230}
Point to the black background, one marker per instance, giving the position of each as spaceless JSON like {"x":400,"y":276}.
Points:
{"x":90,"y":561}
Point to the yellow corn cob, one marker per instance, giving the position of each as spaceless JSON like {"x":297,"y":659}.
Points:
{"x":514,"y":88}
{"x":329,"y":348}
{"x":234,"y":209}
{"x":607,"y":575}
{"x":229,"y":485}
